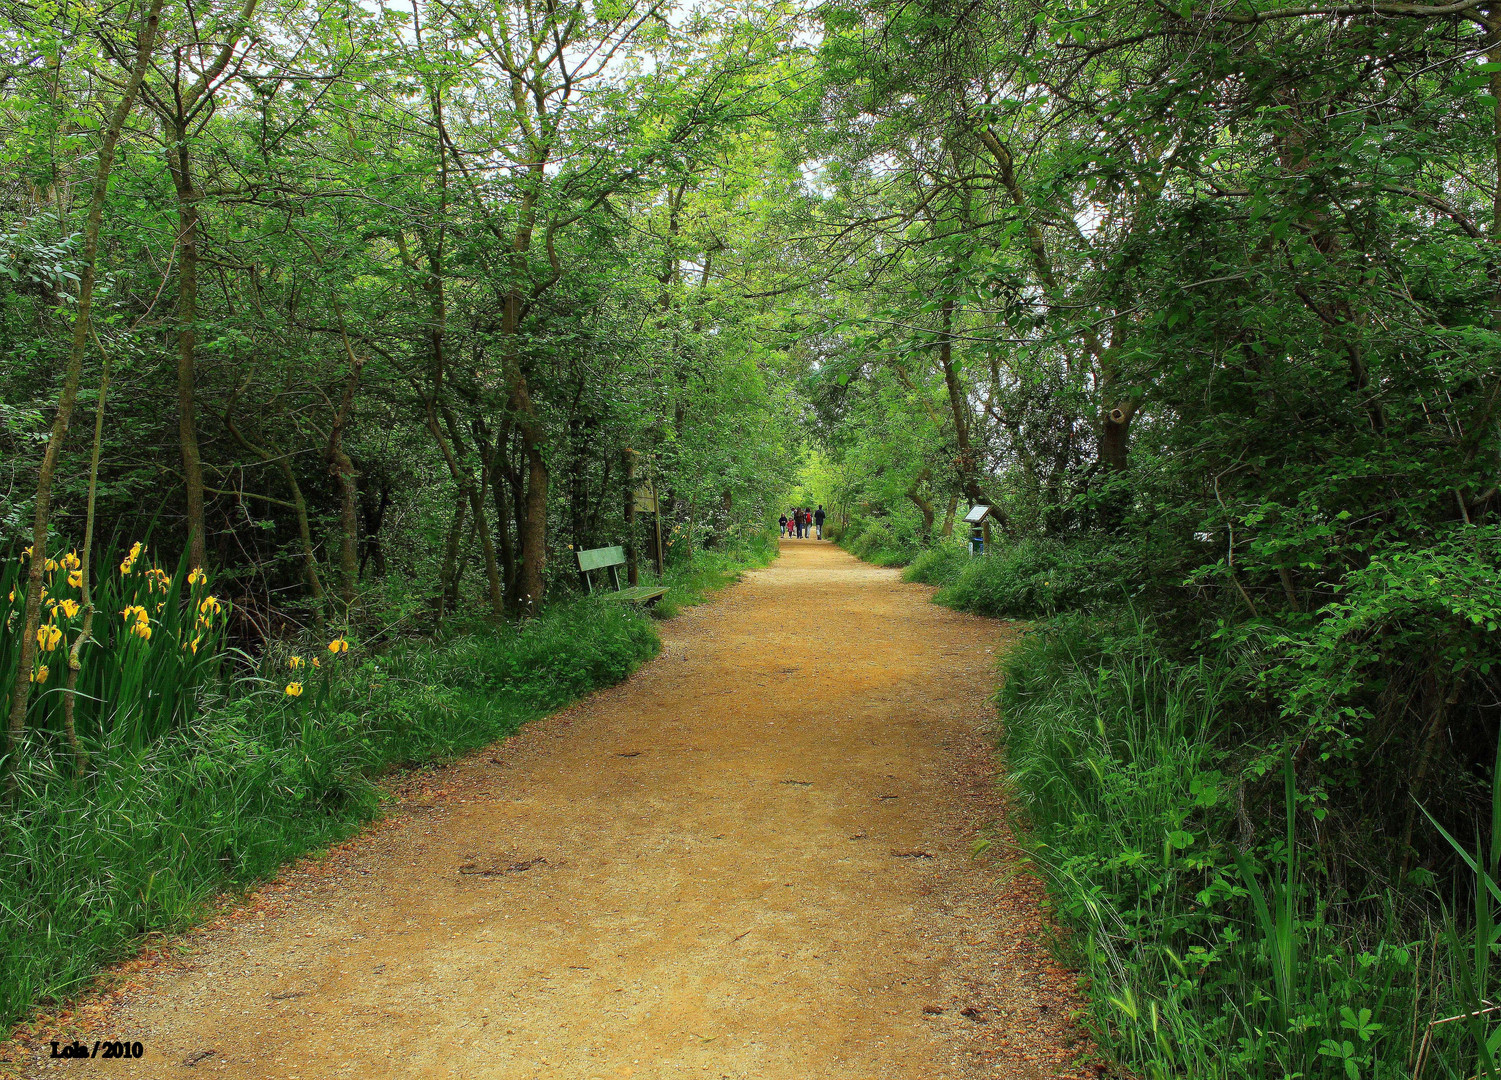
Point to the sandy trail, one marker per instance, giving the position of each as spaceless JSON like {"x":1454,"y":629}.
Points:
{"x":751,"y":861}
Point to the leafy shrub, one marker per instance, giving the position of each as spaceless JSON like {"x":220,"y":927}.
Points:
{"x":879,"y":543}
{"x":941,"y":564}
{"x":1038,"y":577}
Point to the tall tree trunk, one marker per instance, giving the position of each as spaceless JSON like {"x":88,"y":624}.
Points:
{"x":533,"y":528}
{"x":500,"y":475}
{"x":517,"y":478}
{"x":534,"y":544}
{"x":21,"y":688}
{"x":180,"y":163}
{"x":533,"y":531}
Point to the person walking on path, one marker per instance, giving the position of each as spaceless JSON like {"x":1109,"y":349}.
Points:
{"x":797,"y":522}
{"x":782,"y":521}
{"x":818,"y":517}
{"x":802,"y":523}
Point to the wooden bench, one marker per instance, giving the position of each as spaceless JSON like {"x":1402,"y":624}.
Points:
{"x":611,"y":559}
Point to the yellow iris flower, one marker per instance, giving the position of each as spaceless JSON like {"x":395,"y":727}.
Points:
{"x":127,"y":564}
{"x":294,"y":689}
{"x":338,"y":645}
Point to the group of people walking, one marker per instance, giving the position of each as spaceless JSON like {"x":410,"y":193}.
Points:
{"x":802,"y":522}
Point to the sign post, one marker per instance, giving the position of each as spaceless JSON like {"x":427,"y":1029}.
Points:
{"x":978,"y":520}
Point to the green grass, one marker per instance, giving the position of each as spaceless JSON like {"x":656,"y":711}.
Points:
{"x":253,"y":777}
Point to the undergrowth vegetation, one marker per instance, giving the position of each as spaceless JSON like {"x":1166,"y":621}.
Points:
{"x":1213,"y":948}
{"x":879,"y":542}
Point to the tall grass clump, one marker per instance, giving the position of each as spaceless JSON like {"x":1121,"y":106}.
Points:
{"x":155,"y":642}
{"x":1213,"y":951}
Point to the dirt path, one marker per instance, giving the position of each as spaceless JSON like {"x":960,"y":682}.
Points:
{"x":751,"y":861}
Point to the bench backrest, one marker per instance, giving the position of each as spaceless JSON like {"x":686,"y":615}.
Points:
{"x":606,"y":558}
{"x":599,"y":558}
